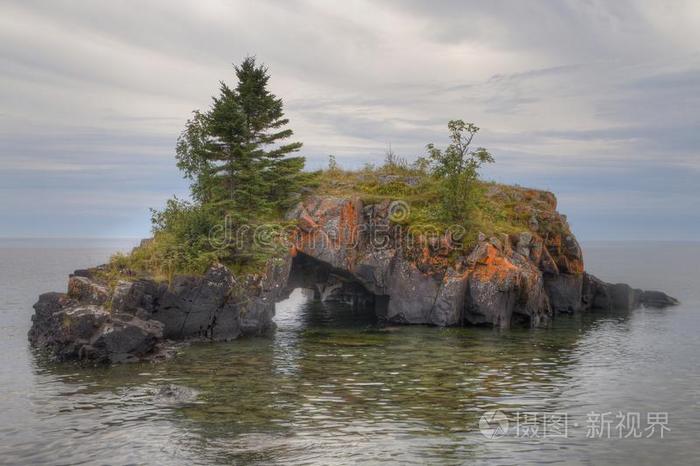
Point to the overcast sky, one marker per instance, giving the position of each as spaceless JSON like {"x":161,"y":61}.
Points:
{"x":596,"y":100}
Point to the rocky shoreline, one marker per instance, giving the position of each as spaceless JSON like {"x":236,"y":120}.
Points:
{"x":518,"y":279}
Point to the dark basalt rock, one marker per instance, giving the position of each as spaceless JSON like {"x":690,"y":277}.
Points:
{"x":599,"y":295}
{"x":124,"y":338}
{"x":139,"y":297}
{"x":191,"y":306}
{"x":595,"y":294}
{"x":565,"y":292}
{"x":412,"y":292}
{"x":502,"y":290}
{"x":135,"y":320}
{"x":74,"y":330}
{"x":449,"y":304}
{"x":657,"y":299}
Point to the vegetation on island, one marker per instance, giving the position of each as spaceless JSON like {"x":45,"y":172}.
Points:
{"x":243,"y":172}
{"x":238,"y":159}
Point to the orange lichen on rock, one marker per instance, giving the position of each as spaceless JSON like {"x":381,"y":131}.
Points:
{"x":493,"y":265}
{"x":575,"y":266}
{"x":425,"y":255}
{"x":348,"y":225}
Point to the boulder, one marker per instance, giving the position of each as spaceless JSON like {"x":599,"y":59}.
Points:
{"x":87,"y":291}
{"x":72,"y":330}
{"x":619,"y":296}
{"x":257,"y":308}
{"x":140,"y":297}
{"x":131,"y":322}
{"x":44,"y":321}
{"x":123,"y":338}
{"x":256,"y":316}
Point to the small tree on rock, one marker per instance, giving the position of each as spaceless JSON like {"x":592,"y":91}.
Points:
{"x":458,"y":167}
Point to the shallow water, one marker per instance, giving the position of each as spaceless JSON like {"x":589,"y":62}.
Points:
{"x":332,"y":386}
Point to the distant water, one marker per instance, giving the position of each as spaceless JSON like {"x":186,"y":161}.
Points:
{"x":334,"y":387}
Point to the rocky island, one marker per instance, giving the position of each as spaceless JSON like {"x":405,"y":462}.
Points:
{"x":422,"y":243}
{"x":526,"y":278}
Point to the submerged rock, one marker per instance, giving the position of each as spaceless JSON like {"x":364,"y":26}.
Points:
{"x":172,"y":394}
{"x":599,"y":295}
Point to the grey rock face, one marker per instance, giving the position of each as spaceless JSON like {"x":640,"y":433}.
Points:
{"x":624,"y":296}
{"x":504,"y":290}
{"x":191,"y":306}
{"x":256,"y":310}
{"x":217,"y":307}
{"x":132,"y":322}
{"x":412,"y":292}
{"x":448,"y":308}
{"x":565,"y":292}
{"x":137,"y":297}
{"x":72,"y":330}
{"x":256,"y":316}
{"x":488,"y":304}
{"x":596,"y":294}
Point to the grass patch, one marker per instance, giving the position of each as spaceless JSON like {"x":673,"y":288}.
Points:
{"x":489,"y":214}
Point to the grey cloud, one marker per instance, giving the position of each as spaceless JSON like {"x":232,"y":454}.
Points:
{"x":570,"y":95}
{"x":565,"y":29}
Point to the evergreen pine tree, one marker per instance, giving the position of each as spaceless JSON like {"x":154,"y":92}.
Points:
{"x":235,"y":153}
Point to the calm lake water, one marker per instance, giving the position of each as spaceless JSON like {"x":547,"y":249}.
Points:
{"x":332,"y":387}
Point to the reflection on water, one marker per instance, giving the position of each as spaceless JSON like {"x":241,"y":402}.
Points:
{"x":333,"y":386}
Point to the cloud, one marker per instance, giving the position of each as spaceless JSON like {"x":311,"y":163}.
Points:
{"x":570,"y":95}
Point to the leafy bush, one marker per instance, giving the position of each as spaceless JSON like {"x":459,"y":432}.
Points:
{"x":458,"y":168}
